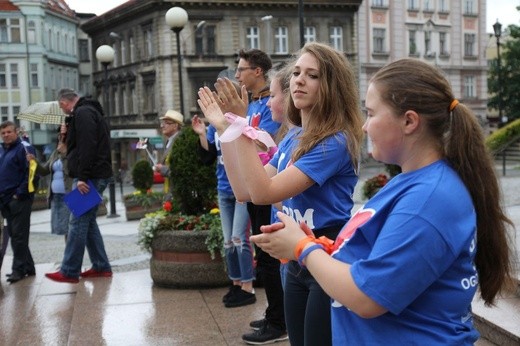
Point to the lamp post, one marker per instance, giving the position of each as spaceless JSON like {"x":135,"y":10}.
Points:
{"x":176,"y":18}
{"x":105,"y":55}
{"x":497,"y":28}
{"x":268,"y":41}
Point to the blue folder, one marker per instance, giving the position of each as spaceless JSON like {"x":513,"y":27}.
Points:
{"x":79,"y":203}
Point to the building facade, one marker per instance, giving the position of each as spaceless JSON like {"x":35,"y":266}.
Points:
{"x":143,"y":79}
{"x":448,"y":33}
{"x":38,"y":56}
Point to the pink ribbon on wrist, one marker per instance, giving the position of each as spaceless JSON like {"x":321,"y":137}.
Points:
{"x":239,"y":126}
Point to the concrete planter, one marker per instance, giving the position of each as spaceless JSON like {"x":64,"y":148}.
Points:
{"x":180,"y":259}
{"x":135,"y":211}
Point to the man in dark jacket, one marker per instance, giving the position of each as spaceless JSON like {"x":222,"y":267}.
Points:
{"x":16,"y":200}
{"x":88,"y":154}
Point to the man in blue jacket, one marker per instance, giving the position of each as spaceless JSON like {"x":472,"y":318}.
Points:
{"x":16,"y":200}
{"x":88,"y":155}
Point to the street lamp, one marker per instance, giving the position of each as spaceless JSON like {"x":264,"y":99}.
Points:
{"x":105,"y":55}
{"x":268,"y":42}
{"x":497,"y":27}
{"x":176,"y":18}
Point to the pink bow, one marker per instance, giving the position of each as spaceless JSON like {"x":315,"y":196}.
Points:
{"x":239,"y":126}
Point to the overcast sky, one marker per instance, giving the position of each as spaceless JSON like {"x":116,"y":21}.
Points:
{"x":504,"y":10}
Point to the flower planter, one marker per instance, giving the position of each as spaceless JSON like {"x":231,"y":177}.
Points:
{"x":40,"y":202}
{"x":180,"y":259}
{"x":135,"y":211}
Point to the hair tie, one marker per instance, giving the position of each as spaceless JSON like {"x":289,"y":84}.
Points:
{"x":453,"y":104}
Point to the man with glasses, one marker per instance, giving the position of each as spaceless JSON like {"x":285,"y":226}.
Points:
{"x":171,"y":125}
{"x":252,"y":69}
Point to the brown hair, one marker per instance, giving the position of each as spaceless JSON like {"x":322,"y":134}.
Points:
{"x":337,"y":108}
{"x":257,"y":58}
{"x":282,"y":76}
{"x":410,"y":84}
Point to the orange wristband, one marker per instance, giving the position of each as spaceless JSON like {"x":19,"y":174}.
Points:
{"x":300,"y":245}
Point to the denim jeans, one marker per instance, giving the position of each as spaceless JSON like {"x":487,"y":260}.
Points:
{"x":84,"y":232}
{"x":60,"y":215}
{"x":307,"y":308}
{"x":237,"y":247}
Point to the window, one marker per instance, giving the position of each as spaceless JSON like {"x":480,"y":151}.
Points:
{"x":123,"y":52}
{"x":4,"y":112}
{"x":84,"y":84}
{"x":31,"y":32}
{"x":49,"y":37}
{"x":3,"y":79}
{"x":336,"y":37}
{"x":15,"y":30}
{"x":412,"y":42}
{"x":116,"y":98}
{"x":149,"y":98}
{"x":428,"y":42}
{"x":116,"y":55}
{"x":281,"y":40}
{"x":14,"y":75}
{"x":132,"y":49}
{"x":253,"y":37}
{"x":413,"y":4}
{"x":58,"y":42}
{"x":443,"y":6}
{"x":10,"y":30}
{"x":443,"y":48}
{"x":123,"y":100}
{"x":148,"y":42}
{"x":469,"y":87}
{"x":428,"y":5}
{"x":469,"y":44}
{"x":73,"y":45}
{"x":379,"y":40}
{"x":133,"y":99}
{"x":309,"y":34}
{"x":3,"y":30}
{"x":469,"y":6}
{"x":16,"y":110}
{"x":379,"y":3}
{"x":84,"y":56}
{"x":34,"y":75}
{"x":205,"y":40}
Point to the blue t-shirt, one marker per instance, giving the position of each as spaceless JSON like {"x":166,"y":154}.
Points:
{"x":223,"y":184}
{"x":329,"y":201}
{"x":266,"y":121}
{"x":412,"y":250}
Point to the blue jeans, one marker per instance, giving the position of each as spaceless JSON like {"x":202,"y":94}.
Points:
{"x":237,"y":247}
{"x":60,"y":215}
{"x":84,"y":232}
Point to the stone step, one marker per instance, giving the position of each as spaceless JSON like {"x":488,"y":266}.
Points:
{"x":499,"y":324}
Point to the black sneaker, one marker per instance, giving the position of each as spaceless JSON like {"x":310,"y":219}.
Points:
{"x":255,"y":325}
{"x":240,"y":298}
{"x":232,"y":291}
{"x":267,"y":334}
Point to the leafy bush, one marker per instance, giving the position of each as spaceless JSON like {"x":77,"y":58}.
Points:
{"x":193,"y":184}
{"x":142,"y":176}
{"x":502,"y":137}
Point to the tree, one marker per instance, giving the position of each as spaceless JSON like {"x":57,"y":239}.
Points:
{"x":510,"y":62}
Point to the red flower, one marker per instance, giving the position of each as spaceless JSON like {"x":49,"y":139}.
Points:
{"x":167,"y":206}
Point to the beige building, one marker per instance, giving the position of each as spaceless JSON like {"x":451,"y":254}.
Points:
{"x":143,"y":79}
{"x":448,"y":33}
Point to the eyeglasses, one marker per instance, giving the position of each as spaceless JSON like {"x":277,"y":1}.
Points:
{"x":166,"y":122}
{"x":242,"y":69}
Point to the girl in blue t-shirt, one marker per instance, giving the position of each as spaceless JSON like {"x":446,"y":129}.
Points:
{"x":405,"y":268}
{"x":314,"y":178}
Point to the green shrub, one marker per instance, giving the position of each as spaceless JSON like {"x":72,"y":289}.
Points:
{"x":142,"y":176}
{"x":193,"y":184}
{"x":501,"y":138}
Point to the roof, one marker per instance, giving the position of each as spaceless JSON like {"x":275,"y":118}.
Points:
{"x":61,"y":7}
{"x":6,"y":5}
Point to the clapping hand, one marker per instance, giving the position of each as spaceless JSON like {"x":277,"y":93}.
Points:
{"x":211,"y":109}
{"x":228,"y":98}
{"x":198,"y":125}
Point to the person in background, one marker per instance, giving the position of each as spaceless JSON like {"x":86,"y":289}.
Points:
{"x":16,"y":200}
{"x":60,"y":184}
{"x":171,"y":125}
{"x":405,"y":268}
{"x":314,"y":178}
{"x":235,"y":222}
{"x":89,"y":159}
